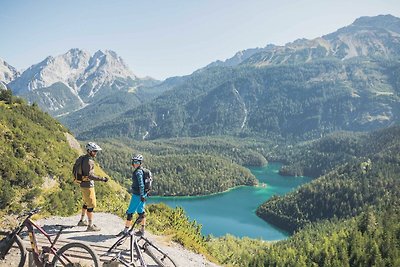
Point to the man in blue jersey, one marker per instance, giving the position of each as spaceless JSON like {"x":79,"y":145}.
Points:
{"x":138,"y":199}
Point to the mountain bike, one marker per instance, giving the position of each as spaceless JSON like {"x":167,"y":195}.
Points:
{"x":13,"y":252}
{"x":138,"y":246}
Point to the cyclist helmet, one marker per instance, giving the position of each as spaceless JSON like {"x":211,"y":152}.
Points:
{"x":137,"y":157}
{"x":91,"y":146}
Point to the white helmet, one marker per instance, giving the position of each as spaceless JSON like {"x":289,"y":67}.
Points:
{"x":91,"y":146}
{"x":137,"y":157}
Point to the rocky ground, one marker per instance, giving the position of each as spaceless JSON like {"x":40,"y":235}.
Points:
{"x":110,"y":225}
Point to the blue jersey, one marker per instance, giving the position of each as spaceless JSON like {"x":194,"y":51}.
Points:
{"x":137,"y":182}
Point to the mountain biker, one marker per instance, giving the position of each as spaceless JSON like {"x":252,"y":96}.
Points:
{"x":138,"y":199}
{"x":87,"y":186}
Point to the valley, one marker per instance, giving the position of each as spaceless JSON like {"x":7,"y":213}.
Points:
{"x":326,"y":108}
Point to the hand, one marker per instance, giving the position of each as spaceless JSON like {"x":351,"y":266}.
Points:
{"x":105,"y":179}
{"x":142,"y":198}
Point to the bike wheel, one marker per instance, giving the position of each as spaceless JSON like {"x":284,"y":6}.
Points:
{"x":76,"y":254}
{"x":16,"y":255}
{"x":160,"y":257}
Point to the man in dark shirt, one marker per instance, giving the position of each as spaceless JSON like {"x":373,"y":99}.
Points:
{"x":87,"y":186}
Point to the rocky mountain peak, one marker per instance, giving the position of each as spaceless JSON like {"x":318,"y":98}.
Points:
{"x":76,"y":58}
{"x":76,"y":69}
{"x":377,"y":36}
{"x":7,"y":72}
{"x":382,"y":21}
{"x":109,"y":62}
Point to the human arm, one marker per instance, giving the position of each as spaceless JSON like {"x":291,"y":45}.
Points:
{"x":88,"y":170}
{"x":139,"y":177}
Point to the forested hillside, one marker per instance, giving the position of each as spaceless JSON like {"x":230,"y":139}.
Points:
{"x":298,"y":101}
{"x":346,"y":80}
{"x":347,"y":190}
{"x":184,"y":167}
{"x":36,"y":163}
{"x":370,"y":239}
{"x":310,"y":104}
{"x":317,"y":157}
{"x":348,"y":217}
{"x":35,"y":168}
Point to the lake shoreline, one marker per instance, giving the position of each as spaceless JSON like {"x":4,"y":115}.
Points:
{"x":233,"y":211}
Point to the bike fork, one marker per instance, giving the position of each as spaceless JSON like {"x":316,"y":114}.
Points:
{"x":135,"y":245}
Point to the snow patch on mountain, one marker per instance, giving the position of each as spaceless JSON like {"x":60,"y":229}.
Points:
{"x":76,"y":69}
{"x":7,"y":72}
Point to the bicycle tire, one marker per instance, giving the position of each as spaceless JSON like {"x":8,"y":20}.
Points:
{"x":76,"y":253}
{"x":160,"y":257}
{"x":11,"y":258}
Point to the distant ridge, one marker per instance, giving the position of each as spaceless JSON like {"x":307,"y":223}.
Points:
{"x":306,"y":89}
{"x":66,"y":83}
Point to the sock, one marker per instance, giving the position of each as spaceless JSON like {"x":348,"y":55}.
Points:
{"x":126,"y":229}
{"x":82,"y":217}
{"x":90,"y":222}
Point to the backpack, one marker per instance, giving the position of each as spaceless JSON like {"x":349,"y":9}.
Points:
{"x":77,"y":169}
{"x":147,"y":179}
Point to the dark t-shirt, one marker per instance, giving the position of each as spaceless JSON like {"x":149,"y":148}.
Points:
{"x":88,"y":170}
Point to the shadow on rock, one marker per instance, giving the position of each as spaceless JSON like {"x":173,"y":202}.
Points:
{"x":92,"y":238}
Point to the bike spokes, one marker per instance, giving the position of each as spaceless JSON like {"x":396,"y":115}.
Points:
{"x":74,"y":255}
{"x":158,"y":255}
{"x":14,"y":250}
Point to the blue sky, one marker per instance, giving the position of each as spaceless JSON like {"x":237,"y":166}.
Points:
{"x":169,"y":38}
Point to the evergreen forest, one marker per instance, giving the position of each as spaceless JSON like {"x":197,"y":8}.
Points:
{"x":347,"y":216}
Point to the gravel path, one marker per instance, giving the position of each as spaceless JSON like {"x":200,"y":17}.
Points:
{"x":110,"y":225}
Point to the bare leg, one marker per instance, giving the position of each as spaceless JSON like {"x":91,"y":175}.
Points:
{"x":90,"y":217}
{"x":128,"y":223}
{"x":83,"y":214}
{"x":143,"y":224}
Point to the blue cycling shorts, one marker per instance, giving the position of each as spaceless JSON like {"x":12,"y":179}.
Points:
{"x":136,"y":205}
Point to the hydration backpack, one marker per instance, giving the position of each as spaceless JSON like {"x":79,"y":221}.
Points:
{"x":77,"y":170}
{"x":147,"y":179}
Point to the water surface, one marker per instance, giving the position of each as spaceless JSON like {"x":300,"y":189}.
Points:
{"x":233,"y":212}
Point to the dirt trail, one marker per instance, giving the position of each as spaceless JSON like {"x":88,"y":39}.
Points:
{"x":110,"y":225}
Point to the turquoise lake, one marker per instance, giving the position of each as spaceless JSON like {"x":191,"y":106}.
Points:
{"x":233,"y":212}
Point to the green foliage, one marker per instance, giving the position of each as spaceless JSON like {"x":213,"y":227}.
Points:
{"x":6,"y":95}
{"x":233,"y":251}
{"x":369,"y":239}
{"x":36,"y":162}
{"x":188,"y":166}
{"x":106,"y":108}
{"x":342,"y":193}
{"x":348,"y":217}
{"x":318,"y":157}
{"x":294,"y":101}
{"x":174,"y":222}
{"x":33,"y":146}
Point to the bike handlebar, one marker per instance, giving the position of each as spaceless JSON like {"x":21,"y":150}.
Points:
{"x":30,"y":213}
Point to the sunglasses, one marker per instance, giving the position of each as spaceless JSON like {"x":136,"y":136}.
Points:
{"x":135,"y":162}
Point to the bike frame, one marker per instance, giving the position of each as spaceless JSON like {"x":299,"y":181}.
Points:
{"x":31,"y":226}
{"x":132,"y":246}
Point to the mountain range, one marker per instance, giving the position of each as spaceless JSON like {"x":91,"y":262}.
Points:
{"x":347,"y":217}
{"x":71,"y":81}
{"x":345,"y":80}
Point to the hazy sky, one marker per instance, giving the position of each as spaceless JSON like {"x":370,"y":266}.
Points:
{"x":170,"y":37}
